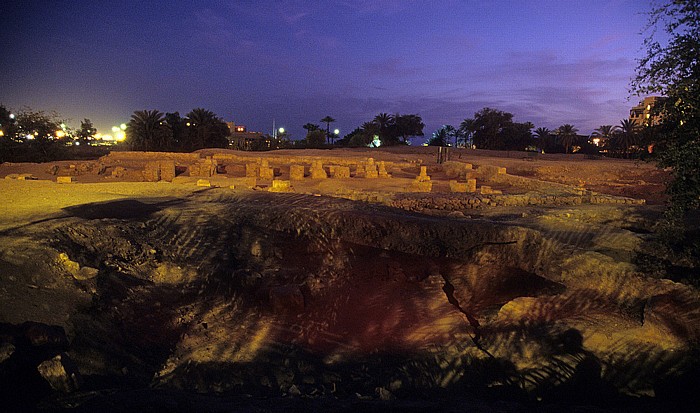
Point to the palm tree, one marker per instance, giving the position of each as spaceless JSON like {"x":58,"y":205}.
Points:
{"x":605,"y":133}
{"x":626,"y":135}
{"x":466,"y":129}
{"x":328,"y":120}
{"x":567,"y":136}
{"x":147,"y":131}
{"x":384,"y":120}
{"x":205,"y":130}
{"x":440,"y":137}
{"x":310,"y":127}
{"x":451,"y":134}
{"x":543,"y":133}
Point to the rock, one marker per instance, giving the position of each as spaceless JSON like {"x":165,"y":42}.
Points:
{"x":68,"y":265}
{"x":65,"y":179}
{"x":384,"y":394}
{"x":279,"y":185}
{"x":6,"y":351}
{"x":86,"y":273}
{"x":61,"y":374}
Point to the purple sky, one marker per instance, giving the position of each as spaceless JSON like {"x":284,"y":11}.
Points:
{"x":549,"y":62}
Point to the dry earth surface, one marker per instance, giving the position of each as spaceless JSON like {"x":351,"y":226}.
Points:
{"x":209,"y":292}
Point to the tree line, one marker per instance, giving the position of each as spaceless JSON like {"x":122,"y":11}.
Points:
{"x":384,"y":129}
{"x":496,"y":130}
{"x":151,"y":130}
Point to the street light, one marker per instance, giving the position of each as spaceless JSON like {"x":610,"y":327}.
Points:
{"x":122,"y":126}
{"x":281,"y":130}
{"x":336,"y":131}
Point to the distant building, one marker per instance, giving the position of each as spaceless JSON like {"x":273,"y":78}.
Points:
{"x":239,"y":138}
{"x":643,"y":114}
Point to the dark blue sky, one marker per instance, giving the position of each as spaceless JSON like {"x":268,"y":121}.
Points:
{"x":546,"y":61}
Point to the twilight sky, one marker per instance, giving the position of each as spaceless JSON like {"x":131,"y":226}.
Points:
{"x":549,"y":62}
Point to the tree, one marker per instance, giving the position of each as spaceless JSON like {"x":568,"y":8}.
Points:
{"x":87,"y":130}
{"x":441,"y":136}
{"x":385,"y":122}
{"x":328,"y":120}
{"x":466,"y":130}
{"x":34,"y":132}
{"x":605,"y":133}
{"x":566,"y":134}
{"x":626,"y":135}
{"x":147,"y":131}
{"x":178,"y":129}
{"x":205,"y":130}
{"x":311,"y":127}
{"x":670,"y":68}
{"x":315,"y":138}
{"x":542,"y":132}
{"x":494,"y":129}
{"x":406,"y":126}
{"x":8,"y":123}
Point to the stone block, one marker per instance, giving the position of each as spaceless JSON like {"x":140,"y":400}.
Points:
{"x":458,"y":186}
{"x":251,"y":170}
{"x":381,"y":170}
{"x":296,"y":172}
{"x":317,"y":171}
{"x":205,"y":168}
{"x":203,"y":183}
{"x":487,"y":190}
{"x":371,"y":171}
{"x":341,"y":172}
{"x":318,"y":174}
{"x":65,"y":179}
{"x":167,"y":170}
{"x":279,"y":185}
{"x":152,"y":171}
{"x":420,"y":186}
{"x":61,"y":373}
{"x":471,"y":185}
{"x":423,"y":176}
{"x":266,"y":172}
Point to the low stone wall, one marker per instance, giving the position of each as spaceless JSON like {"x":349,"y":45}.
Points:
{"x":457,"y":202}
{"x":118,"y":157}
{"x":531,"y":184}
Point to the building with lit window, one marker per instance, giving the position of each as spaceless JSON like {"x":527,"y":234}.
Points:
{"x":239,"y":138}
{"x":644,"y":114}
